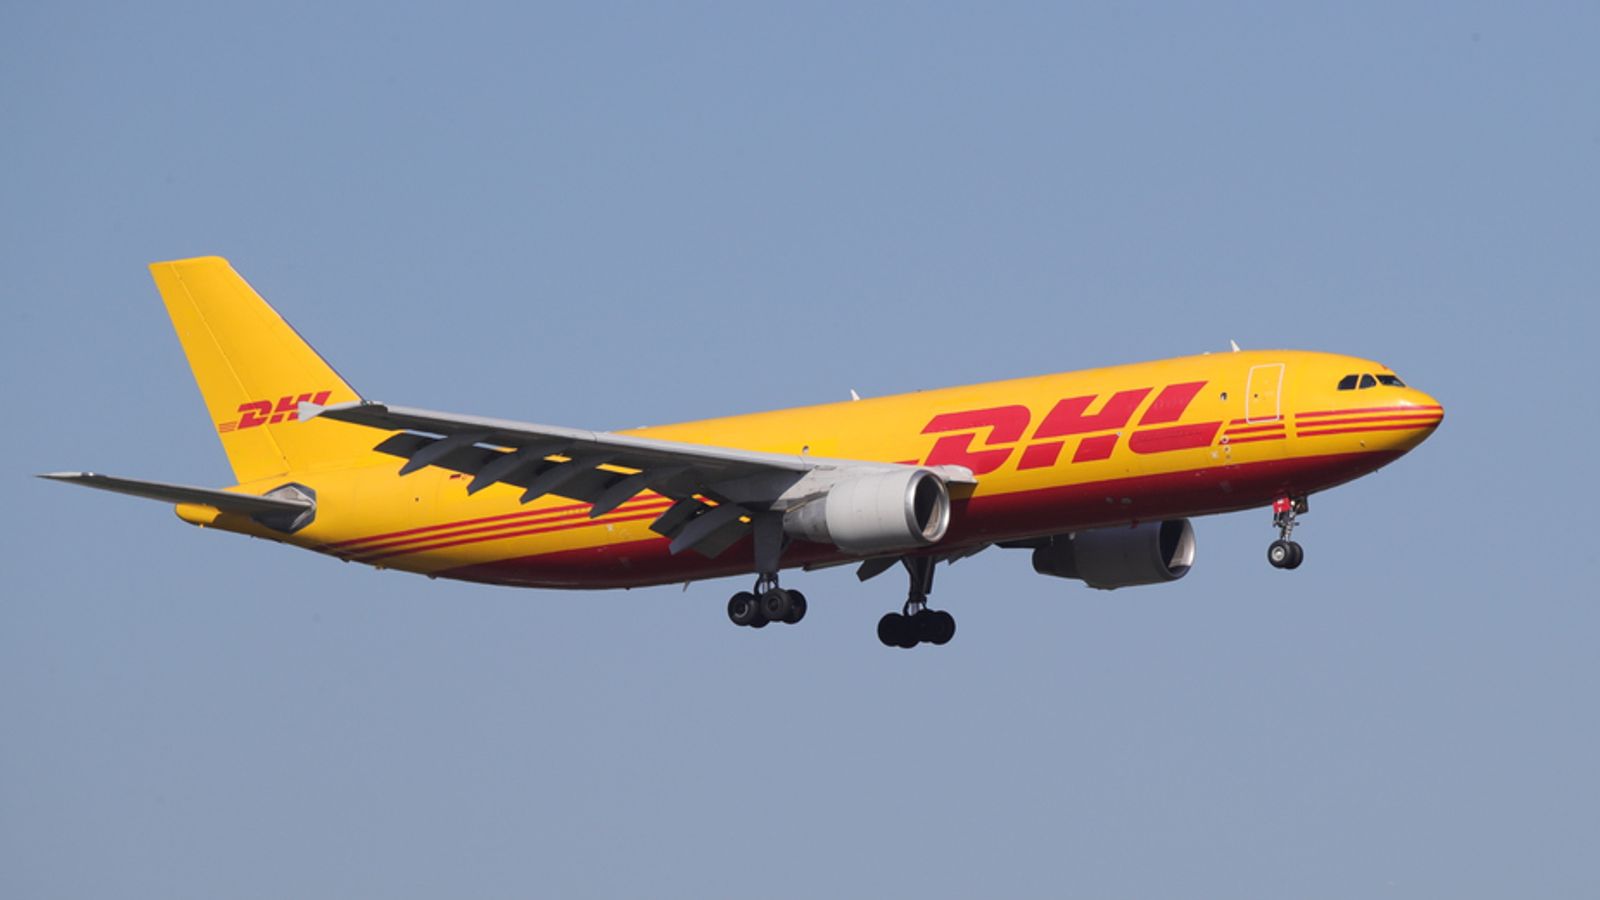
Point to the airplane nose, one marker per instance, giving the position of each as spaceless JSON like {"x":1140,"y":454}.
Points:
{"x":1424,"y":419}
{"x":1426,"y":403}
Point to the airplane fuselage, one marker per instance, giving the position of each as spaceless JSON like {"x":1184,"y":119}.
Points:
{"x":1057,"y":453}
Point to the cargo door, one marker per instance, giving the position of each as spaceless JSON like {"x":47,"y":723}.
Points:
{"x":1263,"y":395}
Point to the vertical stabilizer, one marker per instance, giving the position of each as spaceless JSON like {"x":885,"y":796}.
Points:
{"x":253,"y":369}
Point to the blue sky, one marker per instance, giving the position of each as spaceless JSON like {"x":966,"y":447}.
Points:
{"x":612,"y":215}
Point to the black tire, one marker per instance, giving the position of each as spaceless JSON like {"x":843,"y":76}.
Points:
{"x":911,"y":631}
{"x":776,"y":605}
{"x":941,"y":627}
{"x":797,"y":608}
{"x":1279,"y":553}
{"x":1297,"y":555}
{"x":892,"y":629}
{"x":744,"y":610}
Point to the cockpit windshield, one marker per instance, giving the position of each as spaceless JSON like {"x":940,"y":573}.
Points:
{"x":1362,"y":381}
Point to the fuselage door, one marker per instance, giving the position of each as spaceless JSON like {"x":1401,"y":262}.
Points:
{"x":1263,"y":395}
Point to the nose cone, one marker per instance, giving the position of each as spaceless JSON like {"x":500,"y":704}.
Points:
{"x":1425,"y":404}
{"x":1418,"y":418}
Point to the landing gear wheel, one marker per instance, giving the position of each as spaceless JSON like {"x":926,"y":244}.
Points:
{"x":940,"y":627}
{"x":1297,"y":555}
{"x":1281,"y":554}
{"x":895,"y":630}
{"x":797,"y":608}
{"x":776,"y":605}
{"x":744,"y":610}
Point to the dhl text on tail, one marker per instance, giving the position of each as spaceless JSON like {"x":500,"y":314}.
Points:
{"x":1097,"y":472}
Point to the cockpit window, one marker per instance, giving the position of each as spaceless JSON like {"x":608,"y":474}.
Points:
{"x":1391,"y":381}
{"x":1348,"y":383}
{"x":1368,"y":381}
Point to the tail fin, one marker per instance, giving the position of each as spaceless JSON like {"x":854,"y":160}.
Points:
{"x":253,"y":370}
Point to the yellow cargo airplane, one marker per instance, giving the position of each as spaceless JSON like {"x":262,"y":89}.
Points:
{"x":1097,"y":472}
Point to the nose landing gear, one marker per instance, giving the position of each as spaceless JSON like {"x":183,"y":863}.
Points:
{"x":1284,"y":553}
{"x":916,"y":623}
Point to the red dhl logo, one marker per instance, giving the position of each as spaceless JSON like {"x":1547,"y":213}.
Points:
{"x":1094,"y":434}
{"x":264,"y":412}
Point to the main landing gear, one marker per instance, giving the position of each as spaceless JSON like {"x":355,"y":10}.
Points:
{"x":768,"y":603}
{"x":1284,"y":553}
{"x":916,"y":623}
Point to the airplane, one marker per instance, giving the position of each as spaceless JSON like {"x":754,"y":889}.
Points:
{"x":1096,"y":472}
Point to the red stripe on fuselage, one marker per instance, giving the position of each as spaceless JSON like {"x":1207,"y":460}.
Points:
{"x":414,"y":544}
{"x":541,"y":528}
{"x":1252,"y":430}
{"x":1368,"y":409}
{"x":1325,"y":432}
{"x":1372,"y":420}
{"x":514,"y":518}
{"x":426,"y":528}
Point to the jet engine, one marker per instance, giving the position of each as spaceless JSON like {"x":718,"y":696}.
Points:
{"x":1110,"y":558}
{"x":872,"y":514}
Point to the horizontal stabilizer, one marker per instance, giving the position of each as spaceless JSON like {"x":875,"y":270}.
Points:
{"x":246,"y":504}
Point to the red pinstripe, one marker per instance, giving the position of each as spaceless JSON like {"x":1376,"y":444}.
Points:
{"x":653,"y":507}
{"x":1321,"y":433}
{"x":513,"y":518}
{"x":1256,"y":428}
{"x":542,"y":528}
{"x":1369,"y":409}
{"x":1372,"y":420}
{"x":426,"y":528}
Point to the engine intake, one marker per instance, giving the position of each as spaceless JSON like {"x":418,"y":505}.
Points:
{"x":1110,"y":558}
{"x":875,"y":513}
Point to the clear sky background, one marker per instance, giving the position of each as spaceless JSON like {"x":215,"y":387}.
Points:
{"x":613,"y":215}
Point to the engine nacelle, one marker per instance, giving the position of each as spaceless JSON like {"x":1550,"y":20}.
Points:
{"x":875,"y":513}
{"x":1109,"y":558}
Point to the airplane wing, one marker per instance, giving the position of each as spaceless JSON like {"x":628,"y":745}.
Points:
{"x":719,"y":490}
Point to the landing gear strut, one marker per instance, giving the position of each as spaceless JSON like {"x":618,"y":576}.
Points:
{"x":1284,"y":553}
{"x":916,"y":623}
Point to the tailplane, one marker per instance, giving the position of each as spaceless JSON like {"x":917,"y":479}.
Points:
{"x":254,"y":370}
